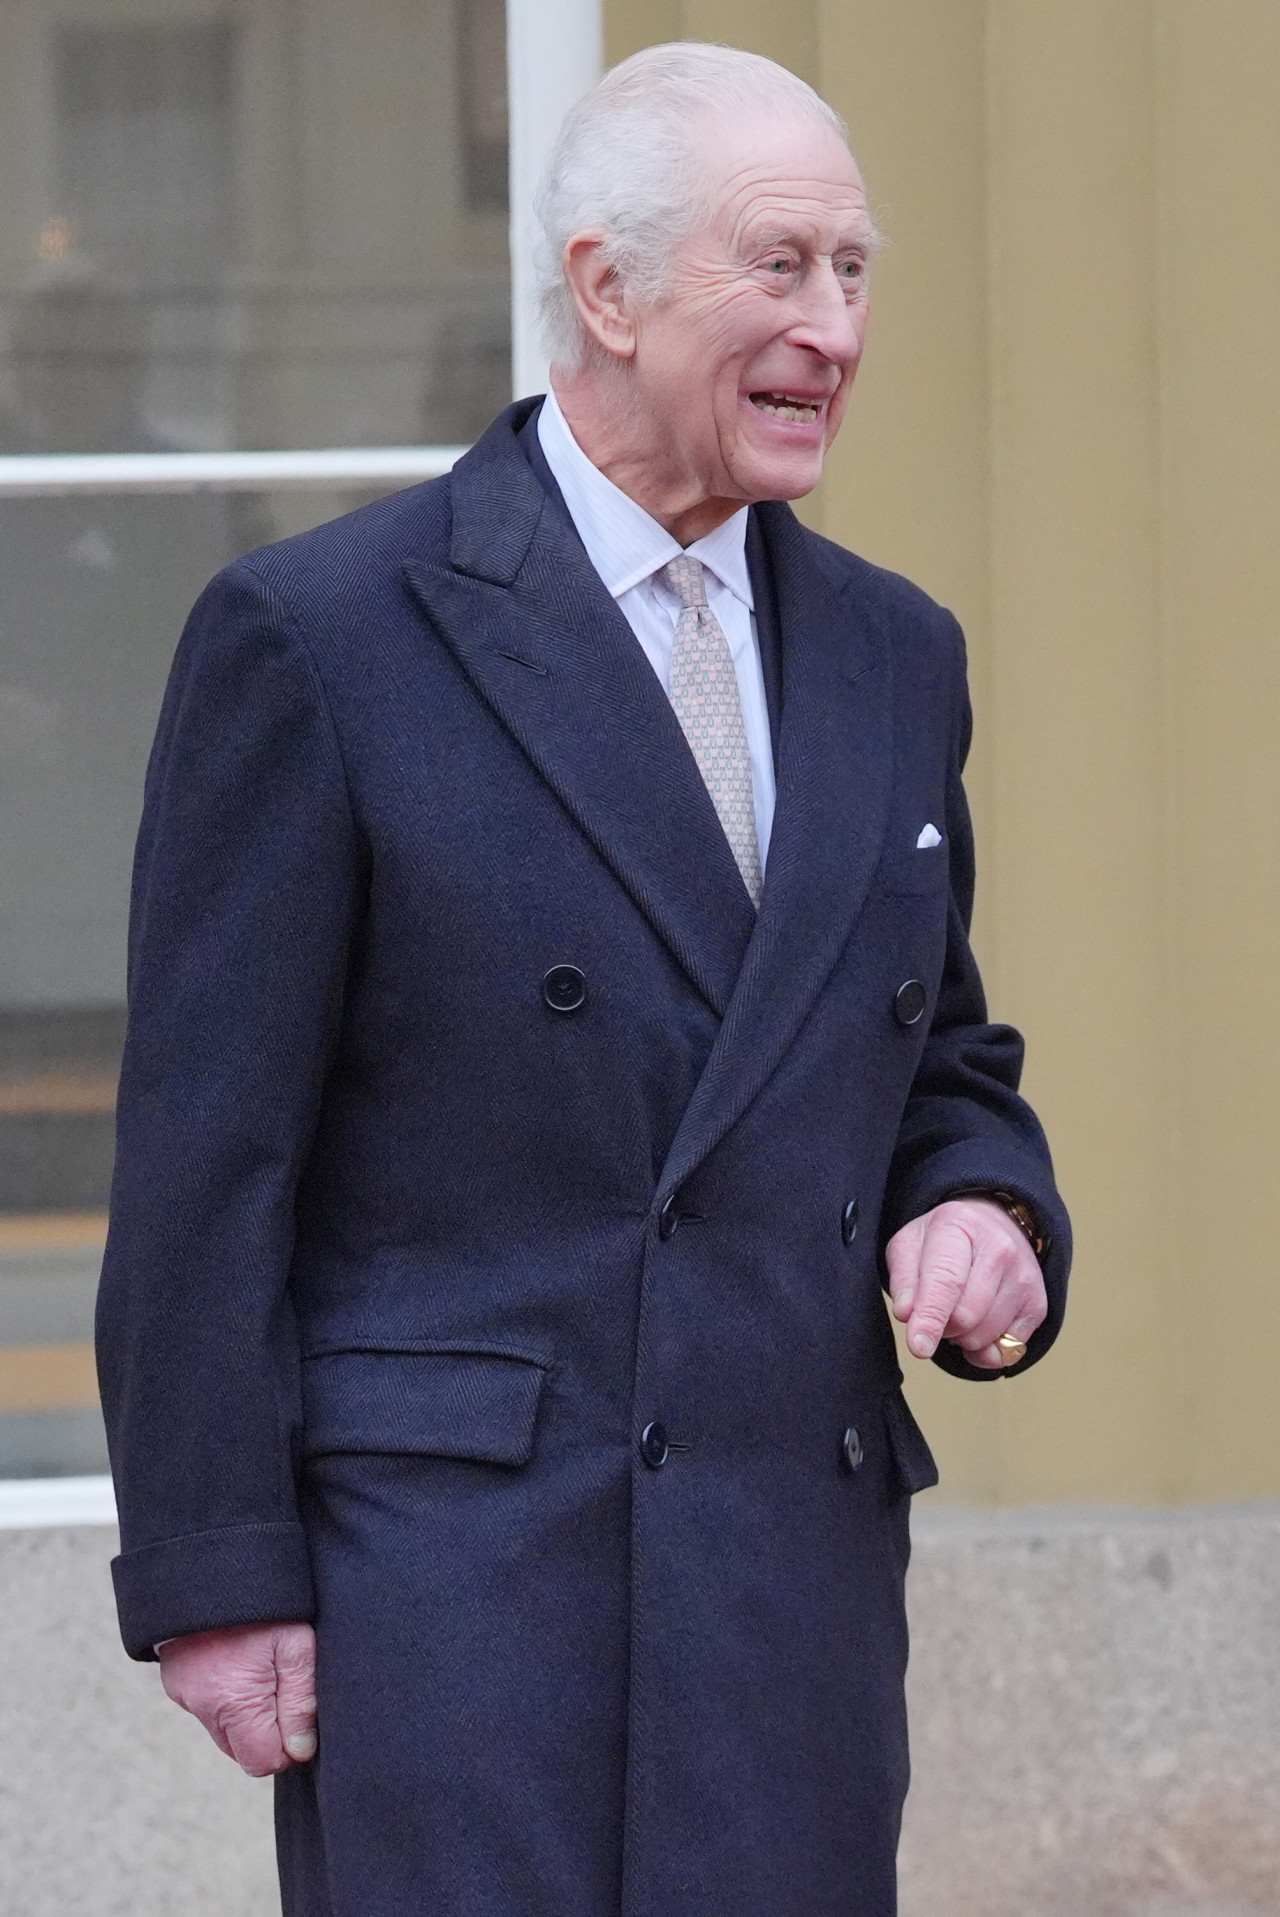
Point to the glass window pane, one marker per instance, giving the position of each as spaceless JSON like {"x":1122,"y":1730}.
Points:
{"x":94,"y":590}
{"x":282,"y":223}
{"x":278,"y":223}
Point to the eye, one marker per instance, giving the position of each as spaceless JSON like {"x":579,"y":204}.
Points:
{"x":852,"y":270}
{"x":778,"y":266}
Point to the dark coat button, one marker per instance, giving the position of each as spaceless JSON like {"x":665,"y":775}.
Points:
{"x":851,"y":1450}
{"x":654,"y":1446}
{"x":849,"y":1221}
{"x":565,"y":988}
{"x":910,"y":1002}
{"x":668,"y":1219}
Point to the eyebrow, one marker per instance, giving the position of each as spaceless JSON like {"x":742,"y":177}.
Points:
{"x":767,"y":236}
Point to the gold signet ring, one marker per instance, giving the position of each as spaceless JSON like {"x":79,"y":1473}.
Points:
{"x":1011,"y":1349}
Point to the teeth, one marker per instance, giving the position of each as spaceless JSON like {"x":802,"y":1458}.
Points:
{"x":783,"y":407}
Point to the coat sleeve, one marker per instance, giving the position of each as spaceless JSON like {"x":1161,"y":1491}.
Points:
{"x":964,"y":1125}
{"x":246,"y":887}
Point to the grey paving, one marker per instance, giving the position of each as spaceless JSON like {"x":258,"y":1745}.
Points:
{"x":1096,"y":1715}
{"x":1095,"y":1708}
{"x":112,"y":1803}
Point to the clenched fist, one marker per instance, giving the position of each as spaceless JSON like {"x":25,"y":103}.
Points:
{"x":965,"y":1271}
{"x":253,"y":1687}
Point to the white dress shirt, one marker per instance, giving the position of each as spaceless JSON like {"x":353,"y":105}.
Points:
{"x":628,"y":550}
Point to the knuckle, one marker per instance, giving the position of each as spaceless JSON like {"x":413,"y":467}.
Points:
{"x":296,"y":1649}
{"x":1032,"y":1300}
{"x":242,"y":1719}
{"x":946,"y":1270}
{"x":948,"y":1276}
{"x":295,"y":1668}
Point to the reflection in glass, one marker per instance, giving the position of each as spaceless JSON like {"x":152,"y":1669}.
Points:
{"x":94,"y":590}
{"x":273,"y":223}
{"x":483,"y":50}
{"x":285,"y":220}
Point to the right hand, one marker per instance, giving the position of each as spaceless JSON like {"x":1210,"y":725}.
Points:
{"x":253,"y":1687}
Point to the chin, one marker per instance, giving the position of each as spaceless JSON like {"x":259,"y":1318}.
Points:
{"x":782,"y":478}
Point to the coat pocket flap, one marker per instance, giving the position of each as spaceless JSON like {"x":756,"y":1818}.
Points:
{"x":444,"y":1404}
{"x":910,"y":1448}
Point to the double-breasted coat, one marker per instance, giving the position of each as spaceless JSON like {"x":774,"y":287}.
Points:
{"x":496,"y":1257}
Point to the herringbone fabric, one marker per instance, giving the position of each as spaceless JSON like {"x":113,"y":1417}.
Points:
{"x":704,"y":694}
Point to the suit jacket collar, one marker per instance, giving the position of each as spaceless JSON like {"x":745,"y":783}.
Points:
{"x":547,"y":648}
{"x":759,"y":568}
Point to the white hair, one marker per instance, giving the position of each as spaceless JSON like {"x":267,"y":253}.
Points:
{"x":628,"y":161}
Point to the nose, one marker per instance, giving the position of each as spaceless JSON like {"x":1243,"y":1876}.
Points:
{"x":830,"y":322}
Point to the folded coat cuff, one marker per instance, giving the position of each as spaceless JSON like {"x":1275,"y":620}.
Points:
{"x":209,"y":1580}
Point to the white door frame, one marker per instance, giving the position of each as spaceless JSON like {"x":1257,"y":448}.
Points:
{"x":555,"y":52}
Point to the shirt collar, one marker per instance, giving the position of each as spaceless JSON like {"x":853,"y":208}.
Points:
{"x":623,"y":543}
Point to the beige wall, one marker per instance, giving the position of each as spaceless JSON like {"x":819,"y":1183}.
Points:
{"x":1068,"y":428}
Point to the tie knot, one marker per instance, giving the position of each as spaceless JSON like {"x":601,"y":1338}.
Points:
{"x":685,"y":578}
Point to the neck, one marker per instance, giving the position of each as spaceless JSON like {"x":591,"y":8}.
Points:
{"x":624,"y":443}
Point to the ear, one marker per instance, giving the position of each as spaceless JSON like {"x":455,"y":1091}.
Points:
{"x":599,"y":295}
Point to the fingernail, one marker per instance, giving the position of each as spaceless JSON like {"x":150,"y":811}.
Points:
{"x":301,"y":1746}
{"x":921,"y":1344}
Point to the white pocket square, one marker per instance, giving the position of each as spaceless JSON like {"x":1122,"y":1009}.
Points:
{"x":928,"y":839}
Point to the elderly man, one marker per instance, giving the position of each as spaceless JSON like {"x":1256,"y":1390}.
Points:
{"x":552,"y":1017}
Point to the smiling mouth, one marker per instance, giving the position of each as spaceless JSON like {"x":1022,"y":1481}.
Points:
{"x":784,"y":406}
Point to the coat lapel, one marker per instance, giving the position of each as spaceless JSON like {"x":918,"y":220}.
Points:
{"x":834,"y":778}
{"x":546,"y":647}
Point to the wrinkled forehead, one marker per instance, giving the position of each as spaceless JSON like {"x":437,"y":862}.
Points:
{"x":786,"y":172}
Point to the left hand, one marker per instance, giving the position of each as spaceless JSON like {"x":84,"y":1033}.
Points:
{"x":965,"y":1271}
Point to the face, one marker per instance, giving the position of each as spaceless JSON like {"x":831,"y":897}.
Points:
{"x":741,"y":372}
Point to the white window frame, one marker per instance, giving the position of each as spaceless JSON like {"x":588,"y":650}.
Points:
{"x":554,"y":54}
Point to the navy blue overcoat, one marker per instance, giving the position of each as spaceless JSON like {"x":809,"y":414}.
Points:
{"x":528,"y":1333}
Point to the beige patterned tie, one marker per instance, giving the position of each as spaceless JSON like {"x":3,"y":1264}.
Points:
{"x":704,"y":694}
